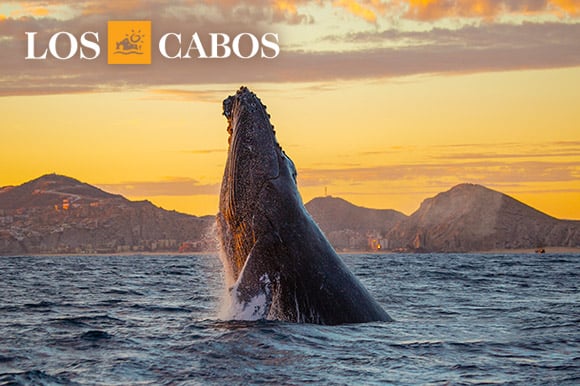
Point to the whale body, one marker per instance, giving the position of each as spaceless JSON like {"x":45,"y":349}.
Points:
{"x":279,"y":264}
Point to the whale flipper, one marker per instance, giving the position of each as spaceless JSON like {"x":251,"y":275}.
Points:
{"x":260,"y":274}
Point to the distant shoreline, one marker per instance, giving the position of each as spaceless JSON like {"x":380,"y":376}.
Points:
{"x":548,"y":251}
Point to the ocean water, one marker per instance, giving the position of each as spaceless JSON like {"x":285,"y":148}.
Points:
{"x":152,"y":320}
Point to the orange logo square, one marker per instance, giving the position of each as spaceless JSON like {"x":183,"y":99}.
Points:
{"x":129,"y":42}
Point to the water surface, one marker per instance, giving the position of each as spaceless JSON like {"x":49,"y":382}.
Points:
{"x":459,"y":319}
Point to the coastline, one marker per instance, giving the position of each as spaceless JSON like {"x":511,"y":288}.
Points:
{"x":548,"y":251}
{"x":515,"y":251}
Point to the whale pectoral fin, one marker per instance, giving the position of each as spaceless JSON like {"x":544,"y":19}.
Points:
{"x":260,"y":275}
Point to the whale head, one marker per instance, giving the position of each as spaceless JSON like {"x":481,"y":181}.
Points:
{"x":258,"y":178}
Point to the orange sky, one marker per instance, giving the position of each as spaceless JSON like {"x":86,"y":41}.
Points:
{"x":381,"y":103}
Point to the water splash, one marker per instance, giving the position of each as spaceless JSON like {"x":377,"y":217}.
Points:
{"x":257,"y":308}
{"x":232,"y":306}
{"x":229,"y":274}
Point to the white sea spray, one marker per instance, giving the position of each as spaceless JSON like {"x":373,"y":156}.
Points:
{"x":233,"y":308}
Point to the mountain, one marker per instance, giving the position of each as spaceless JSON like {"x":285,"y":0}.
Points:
{"x":474,"y":218}
{"x":58,"y":214}
{"x":350,"y":227}
{"x":50,"y":190}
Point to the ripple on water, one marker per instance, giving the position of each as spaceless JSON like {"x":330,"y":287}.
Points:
{"x":459,"y":319}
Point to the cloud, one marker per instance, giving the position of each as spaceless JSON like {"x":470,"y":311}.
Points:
{"x":210,"y":96}
{"x":488,"y":164}
{"x":505,"y":151}
{"x":492,"y":155}
{"x":387,"y":54}
{"x":299,"y":11}
{"x":266,"y":11}
{"x":358,"y":8}
{"x":503,"y":48}
{"x":485,"y":172}
{"x":206,"y":151}
{"x":429,"y":10}
{"x":171,"y":186}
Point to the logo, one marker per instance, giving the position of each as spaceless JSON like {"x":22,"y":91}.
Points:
{"x":129,"y":42}
{"x":89,"y":46}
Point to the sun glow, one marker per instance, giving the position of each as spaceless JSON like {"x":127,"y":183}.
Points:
{"x":381,"y":113}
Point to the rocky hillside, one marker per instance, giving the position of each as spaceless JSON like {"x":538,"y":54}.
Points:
{"x":351,"y":227}
{"x":474,"y":218}
{"x":58,"y":214}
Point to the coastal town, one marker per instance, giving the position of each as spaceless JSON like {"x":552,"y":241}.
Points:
{"x":55,"y":214}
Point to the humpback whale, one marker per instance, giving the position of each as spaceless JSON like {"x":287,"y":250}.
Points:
{"x":278,"y":263}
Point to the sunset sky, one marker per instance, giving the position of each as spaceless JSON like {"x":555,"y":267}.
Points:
{"x":383,"y":103}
